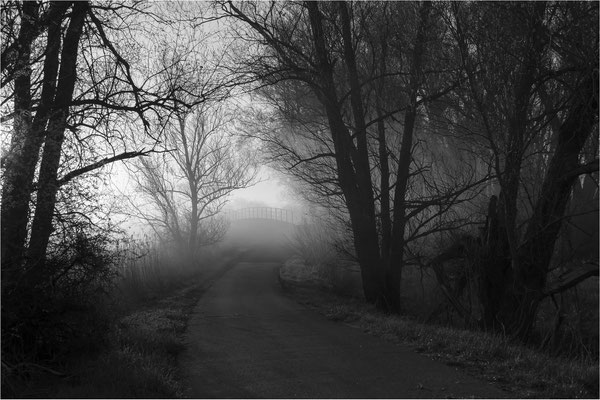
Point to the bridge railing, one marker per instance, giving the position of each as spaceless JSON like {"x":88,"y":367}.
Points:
{"x":277,"y":214}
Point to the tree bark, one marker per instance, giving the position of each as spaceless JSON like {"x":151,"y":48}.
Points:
{"x":396,"y":258}
{"x":545,"y":224}
{"x":511,"y":291}
{"x":512,"y":275}
{"x":20,"y":169}
{"x":354,"y":178}
{"x":16,"y":190}
{"x":48,"y":185}
{"x":510,"y":177}
{"x":384,"y":167}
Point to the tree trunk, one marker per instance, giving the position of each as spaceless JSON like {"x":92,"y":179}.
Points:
{"x":396,"y":258}
{"x":494,"y":262}
{"x":511,"y":296}
{"x":384,"y":166}
{"x":16,"y":191}
{"x":48,"y":186}
{"x":510,"y":177}
{"x":542,"y":231}
{"x":352,"y":163}
{"x":187,"y":165}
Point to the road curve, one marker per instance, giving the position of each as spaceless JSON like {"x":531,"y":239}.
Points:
{"x":245,"y":339}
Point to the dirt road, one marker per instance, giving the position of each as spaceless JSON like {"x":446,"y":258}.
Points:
{"x":247,"y":340}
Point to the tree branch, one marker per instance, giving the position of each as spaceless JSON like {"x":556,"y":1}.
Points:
{"x":324,"y":155}
{"x":583,"y":169}
{"x":80,"y":171}
{"x":572,"y":278}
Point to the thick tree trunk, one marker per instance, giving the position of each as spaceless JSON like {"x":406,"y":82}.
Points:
{"x":495,"y":266}
{"x":542,"y":231}
{"x":351,"y":162}
{"x":511,"y":296}
{"x":48,"y":185}
{"x":20,"y":166}
{"x":510,"y":177}
{"x":16,"y":191}
{"x":508,"y":298}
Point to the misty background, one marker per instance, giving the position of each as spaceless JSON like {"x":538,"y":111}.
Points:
{"x":432,"y":161}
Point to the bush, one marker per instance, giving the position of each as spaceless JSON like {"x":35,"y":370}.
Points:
{"x":60,"y":312}
{"x":317,"y":246}
{"x":89,"y":282}
{"x":314,"y":243}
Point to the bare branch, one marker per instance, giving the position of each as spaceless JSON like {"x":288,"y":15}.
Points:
{"x":123,"y":156}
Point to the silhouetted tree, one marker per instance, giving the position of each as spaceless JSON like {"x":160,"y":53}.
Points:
{"x":337,"y":66}
{"x":72,"y":91}
{"x":530,"y":75}
{"x":75,"y":91}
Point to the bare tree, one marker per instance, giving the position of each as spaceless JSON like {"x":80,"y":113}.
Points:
{"x":188,"y":184}
{"x":336,"y":58}
{"x":535,"y":110}
{"x":68,"y":87}
{"x":76,"y":88}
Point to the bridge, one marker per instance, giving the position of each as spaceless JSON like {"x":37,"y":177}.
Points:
{"x":270,"y":213}
{"x":266,"y":231}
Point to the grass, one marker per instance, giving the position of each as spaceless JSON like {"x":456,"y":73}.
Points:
{"x":141,"y":359}
{"x":521,"y":371}
{"x":138,"y":356}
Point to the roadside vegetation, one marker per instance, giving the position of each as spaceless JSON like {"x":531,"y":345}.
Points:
{"x":522,"y":371}
{"x":432,"y":146}
{"x":565,"y":366}
{"x":128,"y":346}
{"x":87,"y":86}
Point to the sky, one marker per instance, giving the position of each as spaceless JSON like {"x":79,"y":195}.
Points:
{"x":271,"y":190}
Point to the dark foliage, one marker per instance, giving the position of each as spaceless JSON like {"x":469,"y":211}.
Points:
{"x":63,"y":314}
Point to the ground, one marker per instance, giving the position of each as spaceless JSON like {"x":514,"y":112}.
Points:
{"x":246,"y":339}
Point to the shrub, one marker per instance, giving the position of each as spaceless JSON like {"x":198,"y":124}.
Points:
{"x":314,"y":243}
{"x":62,"y":311}
{"x":318,"y":246}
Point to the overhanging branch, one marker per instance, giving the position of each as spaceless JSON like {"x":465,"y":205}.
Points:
{"x":123,"y":156}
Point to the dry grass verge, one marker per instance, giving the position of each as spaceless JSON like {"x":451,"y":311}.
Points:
{"x":139,"y":358}
{"x":519,"y":370}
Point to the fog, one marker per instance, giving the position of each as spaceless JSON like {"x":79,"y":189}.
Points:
{"x":261,"y":239}
{"x":438,"y":160}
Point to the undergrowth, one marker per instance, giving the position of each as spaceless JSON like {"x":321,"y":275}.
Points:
{"x":124,"y":343}
{"x":141,"y":358}
{"x":517,"y":369}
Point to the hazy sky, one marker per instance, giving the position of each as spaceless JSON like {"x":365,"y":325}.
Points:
{"x":271,"y":191}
